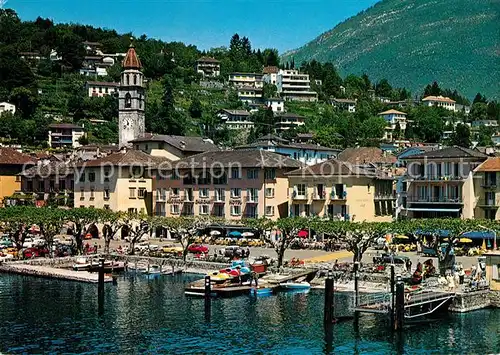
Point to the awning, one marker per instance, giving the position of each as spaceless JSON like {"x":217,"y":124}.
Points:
{"x":434,"y":209}
{"x":479,"y":235}
{"x":439,"y":232}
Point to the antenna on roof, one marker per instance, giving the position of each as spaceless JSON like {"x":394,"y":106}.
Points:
{"x":2,"y":3}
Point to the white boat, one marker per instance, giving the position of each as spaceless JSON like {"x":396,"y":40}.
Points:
{"x":296,"y":285}
{"x":140,"y":267}
{"x":152,"y":270}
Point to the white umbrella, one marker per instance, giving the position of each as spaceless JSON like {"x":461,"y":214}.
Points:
{"x":214,"y":233}
{"x":247,"y":234}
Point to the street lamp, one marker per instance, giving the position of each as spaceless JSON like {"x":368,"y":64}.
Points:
{"x":494,"y":235}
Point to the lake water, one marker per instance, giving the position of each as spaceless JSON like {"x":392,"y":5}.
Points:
{"x":153,"y":316}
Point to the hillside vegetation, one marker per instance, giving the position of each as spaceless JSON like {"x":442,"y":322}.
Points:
{"x":414,"y":42}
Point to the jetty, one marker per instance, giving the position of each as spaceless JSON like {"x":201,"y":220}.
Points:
{"x":51,"y":272}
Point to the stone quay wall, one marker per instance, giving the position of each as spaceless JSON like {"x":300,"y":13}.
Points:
{"x":471,"y":301}
{"x":495,"y":299}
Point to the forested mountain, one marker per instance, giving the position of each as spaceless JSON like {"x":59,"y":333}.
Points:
{"x":414,"y":42}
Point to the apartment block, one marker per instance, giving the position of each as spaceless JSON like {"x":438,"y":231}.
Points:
{"x":338,"y":190}
{"x":487,"y":189}
{"x":294,"y":86}
{"x":226,"y":184}
{"x":440,"y":183}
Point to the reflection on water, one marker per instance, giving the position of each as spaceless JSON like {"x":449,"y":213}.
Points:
{"x":153,"y":316}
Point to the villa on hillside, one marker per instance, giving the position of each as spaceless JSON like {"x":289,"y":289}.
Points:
{"x":440,"y":101}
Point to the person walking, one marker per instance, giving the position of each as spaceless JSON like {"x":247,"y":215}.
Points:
{"x":255,"y":278}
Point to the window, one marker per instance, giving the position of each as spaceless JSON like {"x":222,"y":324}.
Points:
{"x":253,"y":195}
{"x":236,"y":193}
{"x":174,"y":209}
{"x":62,"y":184}
{"x":269,"y":191}
{"x":29,"y":185}
{"x":203,"y":193}
{"x":106,"y":194}
{"x":203,"y":209}
{"x":175,"y":191}
{"x":106,"y":207}
{"x":140,"y":105}
{"x":52,"y":185}
{"x":135,"y":79}
{"x":82,"y":177}
{"x":270,"y":174}
{"x":91,"y":177}
{"x":158,"y":194}
{"x":128,"y":101}
{"x":235,"y":173}
{"x":41,"y":185}
{"x":220,"y":178}
{"x":252,"y":174}
{"x":174,"y":176}
{"x":92,"y":194}
{"x":269,"y":210}
{"x":18,"y":178}
{"x":142,"y":192}
{"x":235,"y":210}
{"x":132,"y":210}
{"x":131,"y":192}
{"x":301,"y":189}
{"x":163,"y":194}
{"x":219,"y":194}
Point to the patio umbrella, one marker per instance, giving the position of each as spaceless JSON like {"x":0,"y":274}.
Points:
{"x":303,"y":234}
{"x":402,"y":237}
{"x":465,"y":240}
{"x":235,"y":234}
{"x":214,"y":233}
{"x":247,"y":234}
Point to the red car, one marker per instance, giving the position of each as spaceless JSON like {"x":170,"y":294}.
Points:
{"x":35,"y":252}
{"x":197,"y":249}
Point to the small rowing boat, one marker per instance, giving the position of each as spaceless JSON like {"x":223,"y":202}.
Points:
{"x":296,"y":285}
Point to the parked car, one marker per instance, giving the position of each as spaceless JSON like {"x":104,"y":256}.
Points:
{"x":197,"y":249}
{"x":35,"y":252}
{"x":232,"y":251}
{"x":172,"y":249}
{"x":387,"y":259}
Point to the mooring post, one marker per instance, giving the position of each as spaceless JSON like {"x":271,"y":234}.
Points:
{"x":329,"y":296}
{"x":208,"y":291}
{"x":400,"y":304}
{"x":393,"y":296}
{"x":100,"y":286}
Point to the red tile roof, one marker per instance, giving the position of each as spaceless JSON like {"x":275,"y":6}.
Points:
{"x":10,"y":156}
{"x":492,"y":164}
{"x":131,"y":60}
{"x":392,"y":112}
{"x":366,"y":155}
{"x":270,"y":70}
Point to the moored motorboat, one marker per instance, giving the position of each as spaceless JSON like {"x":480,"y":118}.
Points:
{"x":263,"y":291}
{"x":296,"y":285}
{"x":152,"y":270}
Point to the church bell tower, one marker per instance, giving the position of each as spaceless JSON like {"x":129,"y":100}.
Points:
{"x":131,"y":99}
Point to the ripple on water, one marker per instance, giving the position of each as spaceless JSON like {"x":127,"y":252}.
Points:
{"x":154,"y":316}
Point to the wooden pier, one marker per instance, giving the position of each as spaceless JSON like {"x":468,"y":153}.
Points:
{"x":52,"y":272}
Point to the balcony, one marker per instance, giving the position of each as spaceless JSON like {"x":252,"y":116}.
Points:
{"x":437,"y":178}
{"x":341,"y":196}
{"x":488,"y":203}
{"x":299,"y":197}
{"x":429,"y":199}
{"x":384,"y":197}
{"x":319,"y":196}
{"x":251,"y":199}
{"x":218,"y":199}
{"x":491,"y":184}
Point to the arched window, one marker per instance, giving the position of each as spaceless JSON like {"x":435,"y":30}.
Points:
{"x":128,"y":82}
{"x":135,"y":79}
{"x":128,"y":101}
{"x":140,"y":101}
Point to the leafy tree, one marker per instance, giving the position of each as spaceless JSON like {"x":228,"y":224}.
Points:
{"x":25,"y":101}
{"x":479,"y":98}
{"x":479,"y":111}
{"x":195,"y":109}
{"x":383,"y":88}
{"x":328,"y":137}
{"x":432,"y":90}
{"x":484,"y":136}
{"x":269,"y":91}
{"x":461,"y":136}
{"x":70,"y":48}
{"x":263,"y":121}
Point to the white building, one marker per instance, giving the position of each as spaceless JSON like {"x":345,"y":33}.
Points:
{"x":65,"y":135}
{"x":236,"y":119}
{"x":246,"y":79}
{"x":393,"y":118}
{"x":440,"y":101}
{"x":209,"y":67}
{"x":277,"y":105}
{"x":7,"y":107}
{"x":294,"y":86}
{"x":101,"y":88}
{"x":270,"y":75}
{"x":250,"y":94}
{"x":344,"y":104}
{"x":287,"y":121}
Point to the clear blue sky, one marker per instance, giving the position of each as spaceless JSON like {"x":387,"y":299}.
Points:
{"x":278,"y":24}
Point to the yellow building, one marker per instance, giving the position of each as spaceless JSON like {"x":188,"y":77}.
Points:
{"x":487,"y":189}
{"x":493,"y":269}
{"x":227,"y":184}
{"x":337,"y":189}
{"x":120,"y":182}
{"x":12,"y":163}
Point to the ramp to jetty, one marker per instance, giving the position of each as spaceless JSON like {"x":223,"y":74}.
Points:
{"x":52,"y":272}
